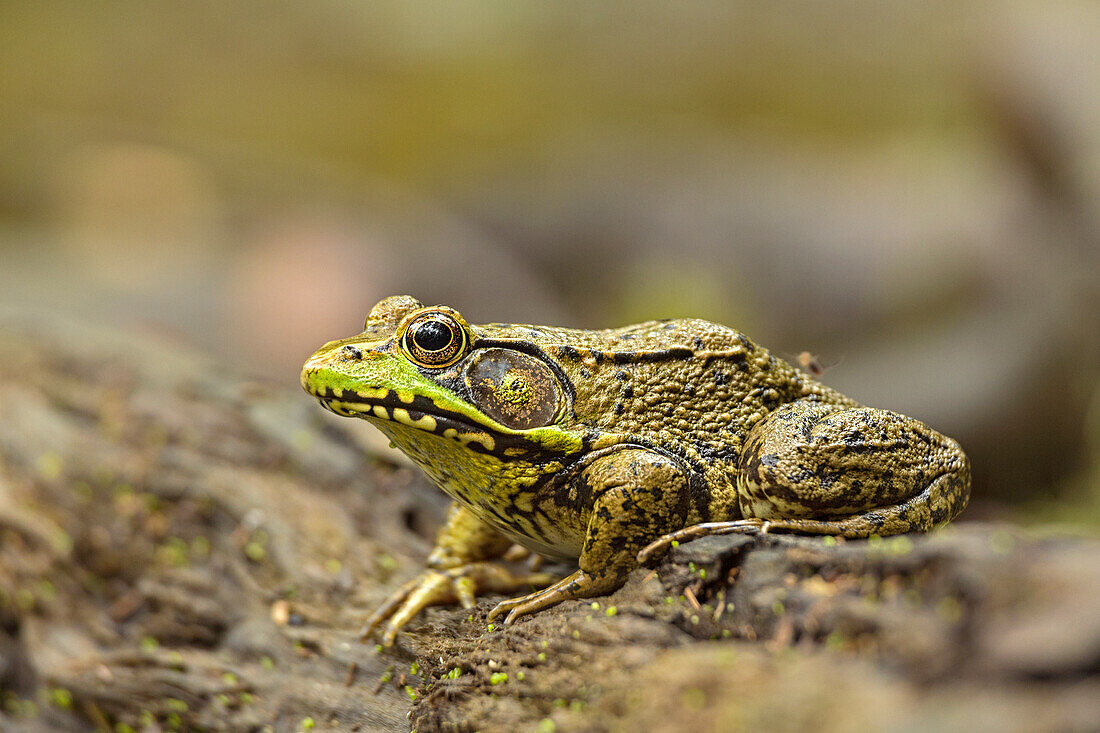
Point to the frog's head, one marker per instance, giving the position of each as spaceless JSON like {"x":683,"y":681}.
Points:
{"x":431,"y":383}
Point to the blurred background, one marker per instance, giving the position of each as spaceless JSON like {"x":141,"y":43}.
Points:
{"x":909,"y":191}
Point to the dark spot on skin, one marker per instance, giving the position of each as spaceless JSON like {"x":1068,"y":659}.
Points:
{"x":621,"y":375}
{"x":352,"y":351}
{"x":698,"y":342}
{"x":628,"y":392}
{"x":746,"y":343}
{"x":568,"y":352}
{"x":623,"y":357}
{"x":721,"y":377}
{"x":618,"y":409}
{"x":619,"y":543}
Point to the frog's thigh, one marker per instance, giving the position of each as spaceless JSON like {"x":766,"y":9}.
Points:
{"x":853,"y":471}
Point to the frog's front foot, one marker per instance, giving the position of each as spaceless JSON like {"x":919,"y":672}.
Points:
{"x":577,"y":585}
{"x":452,"y":585}
{"x":656,"y":549}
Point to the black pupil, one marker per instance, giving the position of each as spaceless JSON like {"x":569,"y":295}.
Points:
{"x":432,"y":336}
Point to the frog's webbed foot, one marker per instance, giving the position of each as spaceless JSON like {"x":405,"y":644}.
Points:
{"x":654,"y":550}
{"x":577,"y":585}
{"x":452,"y":585}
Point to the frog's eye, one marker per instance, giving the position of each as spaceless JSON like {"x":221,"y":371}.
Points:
{"x":514,"y":389}
{"x":434,"y":340}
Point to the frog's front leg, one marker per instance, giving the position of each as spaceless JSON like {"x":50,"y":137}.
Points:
{"x":814,"y":468}
{"x":458,"y":568}
{"x":637,"y":495}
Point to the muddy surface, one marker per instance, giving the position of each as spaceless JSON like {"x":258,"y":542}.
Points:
{"x":182,"y":549}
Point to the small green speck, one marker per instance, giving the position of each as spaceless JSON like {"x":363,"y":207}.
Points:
{"x":834,"y":641}
{"x":200,"y":547}
{"x":378,"y":648}
{"x":544,"y":643}
{"x":149,"y":644}
{"x":246,"y":698}
{"x":949,"y":609}
{"x":560,"y":702}
{"x":694,"y":619}
{"x":46,"y":591}
{"x":829,"y":541}
{"x":267,"y":662}
{"x":703,"y":573}
{"x":498,"y":678}
{"x":611,"y":610}
{"x":411,"y":693}
{"x":491,"y":627}
{"x":24,"y":598}
{"x":541,"y":656}
{"x":222,"y":699}
{"x":669,"y":601}
{"x":595,"y":606}
{"x":778,"y":608}
{"x":576,"y":634}
{"x":61,"y":698}
{"x":414,"y":668}
{"x":385,"y":561}
{"x":124,"y":728}
{"x":173,"y":721}
{"x":48,"y":465}
{"x":547,"y":726}
{"x":308,"y":724}
{"x":333,"y":566}
{"x":675,"y":543}
{"x":387,"y":675}
{"x":229,"y":678}
{"x":692,"y":569}
{"x":176,"y":705}
{"x":577,"y":706}
{"x":455,"y":673}
{"x":470,"y":617}
{"x":726,"y":633}
{"x":520,"y":676}
{"x":255,"y":552}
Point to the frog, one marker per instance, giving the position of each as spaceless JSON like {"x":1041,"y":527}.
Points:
{"x":604,"y":448}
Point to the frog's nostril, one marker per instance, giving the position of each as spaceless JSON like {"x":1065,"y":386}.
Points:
{"x":353,"y":352}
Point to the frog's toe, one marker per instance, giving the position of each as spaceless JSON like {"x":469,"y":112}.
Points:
{"x":429,"y":588}
{"x":654,"y":550}
{"x":454,"y":585}
{"x":577,"y":585}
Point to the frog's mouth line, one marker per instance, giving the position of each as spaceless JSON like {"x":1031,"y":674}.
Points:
{"x":419,"y":413}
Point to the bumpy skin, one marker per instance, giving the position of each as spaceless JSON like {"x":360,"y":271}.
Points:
{"x":606,"y":446}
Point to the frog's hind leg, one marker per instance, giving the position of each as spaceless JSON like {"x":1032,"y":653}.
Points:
{"x":813,"y":468}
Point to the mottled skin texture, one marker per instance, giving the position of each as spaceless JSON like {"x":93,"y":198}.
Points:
{"x":606,"y":446}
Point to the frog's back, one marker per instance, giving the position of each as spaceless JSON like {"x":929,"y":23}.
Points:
{"x":688,"y":386}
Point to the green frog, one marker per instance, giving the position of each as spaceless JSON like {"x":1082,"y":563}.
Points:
{"x":605,"y":447}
